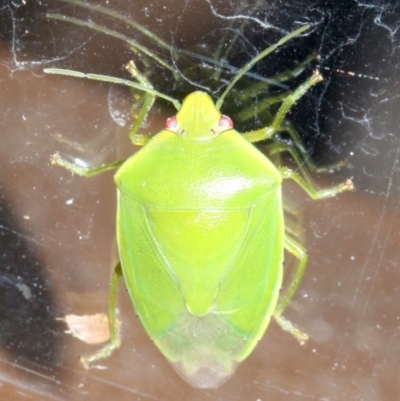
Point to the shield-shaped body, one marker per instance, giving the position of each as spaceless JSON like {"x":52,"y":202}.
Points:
{"x":200,"y":234}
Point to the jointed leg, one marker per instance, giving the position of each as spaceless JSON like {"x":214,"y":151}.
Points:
{"x":261,"y":86}
{"x":262,"y":107}
{"x":300,"y":253}
{"x":148,"y":102}
{"x":303,"y":162}
{"x":301,"y":159}
{"x":115,"y":340}
{"x":56,"y":159}
{"x":267,"y":132}
{"x":299,"y":154}
{"x":311,"y":190}
{"x":293,"y":220}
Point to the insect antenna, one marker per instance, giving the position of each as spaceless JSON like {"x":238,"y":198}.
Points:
{"x":257,"y":58}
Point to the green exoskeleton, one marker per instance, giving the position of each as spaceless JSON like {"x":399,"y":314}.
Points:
{"x":201,"y":232}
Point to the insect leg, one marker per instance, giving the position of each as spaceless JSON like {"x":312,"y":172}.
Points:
{"x":262,"y":86}
{"x":115,"y":340}
{"x":56,"y":159}
{"x":300,"y":253}
{"x":148,"y":102}
{"x":309,"y":187}
{"x":267,"y":132}
{"x":262,"y":107}
{"x":301,"y":159}
{"x":257,"y":58}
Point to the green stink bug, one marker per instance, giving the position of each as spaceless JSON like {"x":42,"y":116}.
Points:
{"x":201,"y":235}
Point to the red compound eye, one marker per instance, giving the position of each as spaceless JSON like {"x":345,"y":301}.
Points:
{"x":171,"y":123}
{"x":225,"y":122}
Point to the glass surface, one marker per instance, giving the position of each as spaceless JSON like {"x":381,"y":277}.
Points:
{"x":58,"y":231}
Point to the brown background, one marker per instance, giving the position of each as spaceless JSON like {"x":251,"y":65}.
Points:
{"x":58,"y":230}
